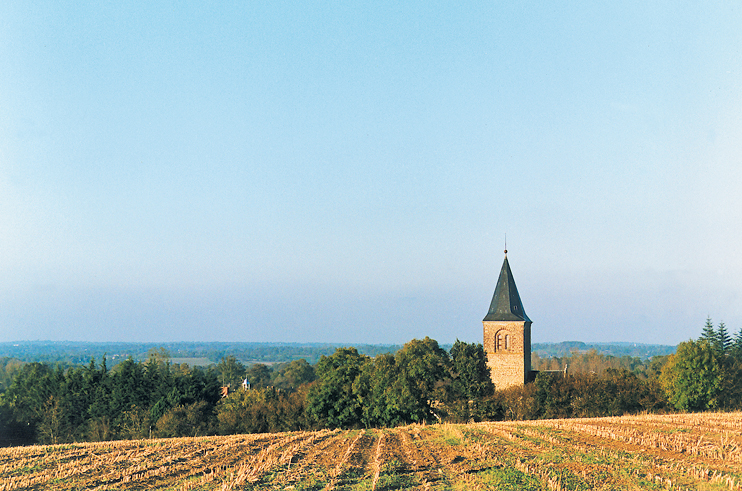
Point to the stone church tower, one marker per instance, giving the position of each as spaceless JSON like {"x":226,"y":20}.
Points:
{"x":507,"y":334}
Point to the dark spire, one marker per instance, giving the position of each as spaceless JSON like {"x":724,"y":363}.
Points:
{"x":506,"y":304}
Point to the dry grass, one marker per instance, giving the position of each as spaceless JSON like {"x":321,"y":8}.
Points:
{"x":681,"y":451}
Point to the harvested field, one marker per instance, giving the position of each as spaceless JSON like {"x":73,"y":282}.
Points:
{"x":679,"y":451}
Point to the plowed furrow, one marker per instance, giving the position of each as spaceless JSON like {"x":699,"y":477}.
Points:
{"x":355,"y":462}
{"x":313,"y":459}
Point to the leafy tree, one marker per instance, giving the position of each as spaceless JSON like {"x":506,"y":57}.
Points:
{"x":693,"y":377}
{"x":294,"y":374}
{"x":423,"y":366}
{"x":470,"y":374}
{"x":9,"y":367}
{"x":189,"y":420}
{"x":513,"y":403}
{"x":262,"y":411}
{"x":379,"y":389}
{"x":231,"y":371}
{"x":331,"y":400}
{"x":470,"y":382}
{"x":259,"y":376}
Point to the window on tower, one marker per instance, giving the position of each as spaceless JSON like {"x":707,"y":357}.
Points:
{"x":502,"y":341}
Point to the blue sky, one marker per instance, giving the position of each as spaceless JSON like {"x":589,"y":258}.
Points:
{"x":295,"y":171}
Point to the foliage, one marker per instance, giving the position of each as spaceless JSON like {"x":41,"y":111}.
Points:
{"x":694,"y":377}
{"x":93,"y":403}
{"x":231,"y":371}
{"x":293,"y":375}
{"x":354,"y":391}
{"x":9,"y":367}
{"x":614,"y":393}
{"x":191,"y":419}
{"x":332,"y":402}
{"x":708,"y":333}
{"x":262,"y":411}
{"x":378,"y":388}
{"x":470,"y":383}
{"x":470,"y":375}
{"x":723,"y":340}
{"x":593,"y":362}
{"x":423,"y":364}
{"x":419,"y":383}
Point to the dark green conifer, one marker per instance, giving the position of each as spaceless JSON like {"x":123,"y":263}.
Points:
{"x":709,"y":334}
{"x":723,"y":340}
{"x":737,"y":344}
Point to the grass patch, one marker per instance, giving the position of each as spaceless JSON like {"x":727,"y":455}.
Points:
{"x":451,"y":434}
{"x":506,"y":479}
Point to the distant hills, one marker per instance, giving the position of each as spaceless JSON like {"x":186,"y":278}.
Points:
{"x":204,"y":353}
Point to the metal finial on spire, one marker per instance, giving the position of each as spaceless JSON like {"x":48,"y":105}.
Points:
{"x":506,"y":244}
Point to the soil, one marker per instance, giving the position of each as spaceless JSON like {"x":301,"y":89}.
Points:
{"x":637,"y":452}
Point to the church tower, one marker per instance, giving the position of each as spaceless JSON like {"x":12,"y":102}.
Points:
{"x":507,"y":334}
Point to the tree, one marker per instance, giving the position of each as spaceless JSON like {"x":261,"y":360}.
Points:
{"x":423,"y":366}
{"x":33,"y":399}
{"x":294,"y":374}
{"x":262,"y":411}
{"x":259,"y":376}
{"x":331,"y":401}
{"x":470,"y":377}
{"x":736,"y":349}
{"x":188,"y":420}
{"x":231,"y":371}
{"x":470,"y":382}
{"x":380,"y":392}
{"x":709,"y":334}
{"x":693,"y":378}
{"x":723,"y":340}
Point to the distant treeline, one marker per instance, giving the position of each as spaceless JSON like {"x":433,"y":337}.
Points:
{"x":635,"y":350}
{"x":69,"y":353}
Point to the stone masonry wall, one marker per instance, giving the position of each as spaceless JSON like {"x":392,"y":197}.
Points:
{"x":509,"y":364}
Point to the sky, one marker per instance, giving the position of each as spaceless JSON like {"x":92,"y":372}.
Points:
{"x":348,"y":172}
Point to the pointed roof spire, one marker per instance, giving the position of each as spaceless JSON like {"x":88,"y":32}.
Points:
{"x":506,"y":304}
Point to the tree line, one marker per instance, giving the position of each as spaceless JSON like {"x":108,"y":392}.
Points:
{"x":154,"y":398}
{"x":419,"y":383}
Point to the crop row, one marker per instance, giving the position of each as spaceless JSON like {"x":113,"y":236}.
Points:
{"x":647,"y":452}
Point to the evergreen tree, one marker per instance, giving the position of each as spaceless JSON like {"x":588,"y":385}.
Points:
{"x":708,"y":334}
{"x":737,"y":345}
{"x":723,"y":340}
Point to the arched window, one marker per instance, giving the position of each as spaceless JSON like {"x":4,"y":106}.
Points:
{"x":502,"y":341}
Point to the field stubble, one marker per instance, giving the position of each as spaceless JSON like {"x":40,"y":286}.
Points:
{"x":679,"y":451}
